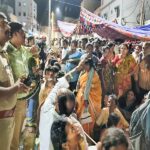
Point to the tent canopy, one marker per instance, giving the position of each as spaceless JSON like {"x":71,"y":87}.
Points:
{"x":91,"y":23}
{"x":110,"y":30}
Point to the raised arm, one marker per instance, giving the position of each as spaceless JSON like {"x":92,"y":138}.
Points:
{"x":62,"y":83}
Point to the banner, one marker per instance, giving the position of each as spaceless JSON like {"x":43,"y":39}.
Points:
{"x":109,"y":30}
{"x":66,"y":28}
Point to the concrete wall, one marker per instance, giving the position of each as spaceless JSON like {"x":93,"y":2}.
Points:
{"x":129,"y":10}
{"x":90,"y":5}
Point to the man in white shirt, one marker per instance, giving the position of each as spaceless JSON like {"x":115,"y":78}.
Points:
{"x":59,"y":103}
{"x":64,"y":53}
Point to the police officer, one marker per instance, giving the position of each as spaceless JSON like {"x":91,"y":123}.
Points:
{"x":8,"y":89}
{"x":19,"y":56}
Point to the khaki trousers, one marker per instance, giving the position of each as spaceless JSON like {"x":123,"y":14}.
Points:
{"x":20,"y":113}
{"x":28,"y":140}
{"x":6,"y":132}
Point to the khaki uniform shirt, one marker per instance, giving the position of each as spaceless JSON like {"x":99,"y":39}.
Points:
{"x":6,"y":80}
{"x":18,"y":59}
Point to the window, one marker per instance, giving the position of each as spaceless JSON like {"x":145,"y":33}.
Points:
{"x":24,"y":4}
{"x":24,"y":14}
{"x":19,"y":14}
{"x":105,"y":16}
{"x":19,"y":3}
{"x":100,"y":2}
{"x":117,"y":10}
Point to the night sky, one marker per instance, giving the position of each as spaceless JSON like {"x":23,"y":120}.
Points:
{"x":64,"y":10}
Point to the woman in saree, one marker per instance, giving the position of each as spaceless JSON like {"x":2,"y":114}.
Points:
{"x":89,"y":95}
{"x":125,"y":66}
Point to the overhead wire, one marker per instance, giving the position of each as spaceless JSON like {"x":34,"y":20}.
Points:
{"x":67,"y":3}
{"x":132,"y":10}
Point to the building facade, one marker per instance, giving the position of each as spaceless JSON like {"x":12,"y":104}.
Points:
{"x":91,"y":5}
{"x":26,"y":12}
{"x":124,"y":12}
{"x":7,"y":7}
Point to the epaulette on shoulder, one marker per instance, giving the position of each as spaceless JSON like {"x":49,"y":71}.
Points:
{"x":8,"y":47}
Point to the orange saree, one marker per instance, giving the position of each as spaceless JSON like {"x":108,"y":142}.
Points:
{"x":95,"y":96}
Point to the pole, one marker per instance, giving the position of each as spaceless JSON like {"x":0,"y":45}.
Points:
{"x":142,"y":13}
{"x":49,"y":23}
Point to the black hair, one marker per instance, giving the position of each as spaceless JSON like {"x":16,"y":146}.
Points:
{"x":89,"y":44}
{"x":52,"y":62}
{"x":108,"y":93}
{"x":15,"y":27}
{"x":55,"y":69}
{"x":119,"y":41}
{"x":113,"y":120}
{"x":65,"y":41}
{"x":127,"y":92}
{"x":63,"y":96}
{"x":48,"y":68}
{"x":30,"y":38}
{"x":58,"y":134}
{"x":114,"y":137}
{"x":110,"y":45}
{"x":60,"y":74}
{"x":104,"y":48}
{"x":58,"y":65}
{"x":75,"y":42}
{"x":89,"y":62}
{"x":85,"y":39}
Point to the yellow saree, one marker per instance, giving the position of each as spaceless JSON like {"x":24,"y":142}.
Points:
{"x":125,"y":68}
{"x":95,"y":96}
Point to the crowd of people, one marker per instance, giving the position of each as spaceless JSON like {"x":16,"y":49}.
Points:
{"x":87,"y":94}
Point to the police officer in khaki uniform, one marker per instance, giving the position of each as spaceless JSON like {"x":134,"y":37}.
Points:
{"x":18,"y":56}
{"x":8,"y":89}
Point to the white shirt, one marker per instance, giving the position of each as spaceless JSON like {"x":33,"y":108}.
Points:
{"x":92,"y":148}
{"x":48,"y":115}
{"x":64,"y":52}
